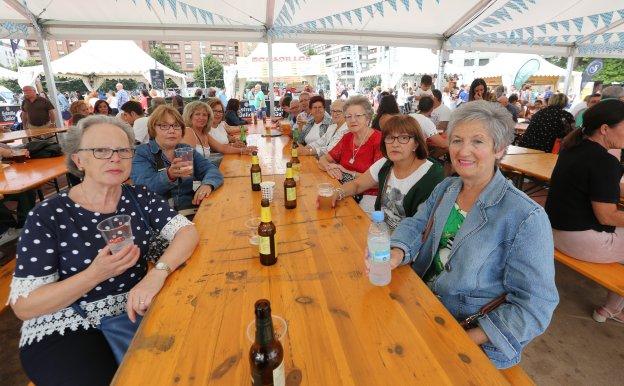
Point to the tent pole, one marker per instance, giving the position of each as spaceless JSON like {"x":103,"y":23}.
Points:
{"x":442,"y":53}
{"x":271,"y":94}
{"x":569,"y":68}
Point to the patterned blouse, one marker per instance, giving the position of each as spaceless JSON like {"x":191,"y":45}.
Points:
{"x":546,"y":126}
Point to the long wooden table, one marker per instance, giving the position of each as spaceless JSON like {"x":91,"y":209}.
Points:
{"x":19,"y":177}
{"x":341,"y":329}
{"x":27,"y":134}
{"x":535,"y":165}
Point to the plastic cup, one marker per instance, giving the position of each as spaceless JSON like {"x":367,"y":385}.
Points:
{"x":267,"y":188}
{"x":280,"y":327}
{"x":186,"y":154}
{"x":117,"y":232}
{"x":252,"y":226}
{"x":18,"y":155}
{"x":286,"y":127}
{"x":325,"y":196}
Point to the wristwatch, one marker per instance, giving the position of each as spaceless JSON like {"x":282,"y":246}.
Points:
{"x":163,"y":267}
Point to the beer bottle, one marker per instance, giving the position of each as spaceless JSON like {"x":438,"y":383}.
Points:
{"x":266,"y":355}
{"x":296,"y":164}
{"x":243,"y":135}
{"x":266,"y":231}
{"x":290,"y":190}
{"x":256,"y":172}
{"x":295,"y":136}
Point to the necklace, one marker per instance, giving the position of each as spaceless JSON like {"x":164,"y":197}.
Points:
{"x":357,"y":149}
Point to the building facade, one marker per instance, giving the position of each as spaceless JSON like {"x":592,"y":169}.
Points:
{"x":345,"y":60}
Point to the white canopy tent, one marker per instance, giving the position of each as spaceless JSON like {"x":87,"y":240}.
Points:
{"x":584,"y":27}
{"x":98,"y":60}
{"x":7,"y":74}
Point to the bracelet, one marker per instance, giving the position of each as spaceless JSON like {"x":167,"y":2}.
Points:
{"x":341,"y":193}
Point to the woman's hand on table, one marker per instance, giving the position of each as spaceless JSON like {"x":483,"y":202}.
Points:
{"x":180,"y":168}
{"x":106,"y":265}
{"x":249,"y":149}
{"x":202,"y":192}
{"x":141,"y":296}
{"x":396,"y":257}
{"x":335,"y":170}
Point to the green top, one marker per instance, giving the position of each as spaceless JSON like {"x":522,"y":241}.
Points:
{"x":453,"y":223}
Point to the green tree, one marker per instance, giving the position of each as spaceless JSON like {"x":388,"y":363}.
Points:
{"x":214,"y":73}
{"x":163,"y":57}
{"x":612,"y":70}
{"x":311,"y":51}
{"x":111,"y":84}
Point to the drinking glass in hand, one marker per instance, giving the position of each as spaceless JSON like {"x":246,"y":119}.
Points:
{"x":117,"y":232}
{"x":186,"y":155}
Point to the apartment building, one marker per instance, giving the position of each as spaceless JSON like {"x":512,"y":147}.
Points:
{"x":346,"y":60}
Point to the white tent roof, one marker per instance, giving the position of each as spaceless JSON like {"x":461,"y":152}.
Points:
{"x":104,"y":59}
{"x":509,"y":64}
{"x":288,"y":61}
{"x":7,"y":74}
{"x":592,"y":27}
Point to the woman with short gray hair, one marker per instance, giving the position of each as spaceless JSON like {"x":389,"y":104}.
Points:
{"x":548,"y":125}
{"x":68,"y":279}
{"x":479,"y":241}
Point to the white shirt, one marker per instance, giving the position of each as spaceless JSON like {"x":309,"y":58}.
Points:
{"x":314,"y":134}
{"x":577,"y":108}
{"x":440,"y":114}
{"x":112,"y":102}
{"x":331,"y":137}
{"x":401,"y":97}
{"x":140,"y":130}
{"x":219,"y":133}
{"x":395,"y":190}
{"x":421,"y":93}
{"x":427,"y":126}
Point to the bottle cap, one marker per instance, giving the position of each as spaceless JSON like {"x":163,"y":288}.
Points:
{"x":262,"y":308}
{"x":378,"y":216}
{"x":254,"y":153}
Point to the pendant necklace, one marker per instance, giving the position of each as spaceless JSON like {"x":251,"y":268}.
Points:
{"x":357,"y":149}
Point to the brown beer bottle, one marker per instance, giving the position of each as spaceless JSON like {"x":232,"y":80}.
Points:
{"x":266,"y":231}
{"x":266,"y":355}
{"x":296,"y":164}
{"x":256,"y":172}
{"x":290,"y":190}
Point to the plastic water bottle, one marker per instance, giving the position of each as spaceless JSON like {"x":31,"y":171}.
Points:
{"x":379,"y":251}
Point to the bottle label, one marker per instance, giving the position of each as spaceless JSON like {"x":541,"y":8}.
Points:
{"x":254,"y":159}
{"x":256,"y":178}
{"x":265,"y":214}
{"x":383,"y":255}
{"x":294,"y":152}
{"x":289,"y":172}
{"x":279,"y":377}
{"x":291,"y":194}
{"x":265,"y":245}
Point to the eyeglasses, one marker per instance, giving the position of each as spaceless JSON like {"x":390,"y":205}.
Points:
{"x":166,"y":127}
{"x":107,"y":153}
{"x":336,"y":111}
{"x":402,"y":139}
{"x":355,"y":116}
{"x":217,"y":111}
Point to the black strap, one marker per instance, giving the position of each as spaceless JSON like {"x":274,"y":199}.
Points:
{"x":159,"y":162}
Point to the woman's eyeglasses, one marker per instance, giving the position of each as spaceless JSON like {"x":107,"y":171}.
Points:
{"x":402,"y":139}
{"x":355,"y":116}
{"x":107,"y":153}
{"x":166,"y":127}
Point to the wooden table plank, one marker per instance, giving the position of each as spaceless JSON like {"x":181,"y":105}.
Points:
{"x":341,"y":329}
{"x":512,"y":149}
{"x":28,"y":133}
{"x":538,"y":166}
{"x":19,"y":177}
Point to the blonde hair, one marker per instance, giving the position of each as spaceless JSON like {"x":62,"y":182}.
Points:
{"x":191,"y":108}
{"x":558,"y":99}
{"x":157,"y":116}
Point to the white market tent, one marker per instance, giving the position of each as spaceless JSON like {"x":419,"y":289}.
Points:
{"x":563,"y":28}
{"x":7,"y":74}
{"x":98,"y":60}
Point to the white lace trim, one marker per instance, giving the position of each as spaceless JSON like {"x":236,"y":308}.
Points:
{"x":37,"y":328}
{"x":173,"y":226}
{"x":23,"y":286}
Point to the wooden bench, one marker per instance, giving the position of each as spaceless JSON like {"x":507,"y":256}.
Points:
{"x":517,"y":377}
{"x":610,"y":276}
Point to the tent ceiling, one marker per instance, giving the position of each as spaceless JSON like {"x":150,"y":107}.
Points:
{"x":594,"y":27}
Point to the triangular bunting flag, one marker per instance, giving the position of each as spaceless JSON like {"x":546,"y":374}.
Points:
{"x":530,"y":41}
{"x":221,"y":18}
{"x":491,"y":20}
{"x":291,"y":5}
{"x":606,"y":17}
{"x":542,"y":27}
{"x":484,"y":24}
{"x":565,"y":24}
{"x":347,"y":16}
{"x":193,"y":11}
{"x":478,"y":28}
{"x":162,"y":3}
{"x":406,"y":4}
{"x":209,"y":14}
{"x":323,"y":23}
{"x":297,"y":2}
{"x":369,"y":8}
{"x":592,"y":39}
{"x":555,"y":25}
{"x":578,"y":22}
{"x":621,"y":13}
{"x":566,"y":38}
{"x":594,"y":20}
{"x":392,"y":4}
{"x":541,"y":39}
{"x":380,"y":8}
{"x":503,"y":34}
{"x":519,"y":33}
{"x":606,"y":37}
{"x":620,"y":36}
{"x":521,"y":4}
{"x":358,"y":13}
{"x":419,"y":3}
{"x":149,"y":4}
{"x":337,"y":16}
{"x":330,"y":20}
{"x":578,"y":37}
{"x":173,"y":5}
{"x":514,"y":6}
{"x":183,"y":8}
{"x":530,"y":31}
{"x":552,"y":39}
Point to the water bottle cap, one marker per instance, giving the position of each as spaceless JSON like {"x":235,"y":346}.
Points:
{"x":378,"y":216}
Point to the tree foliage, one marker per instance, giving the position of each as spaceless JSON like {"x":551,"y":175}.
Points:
{"x":214,"y":73}
{"x":310,"y":52}
{"x":163,"y":57}
{"x":612,"y":70}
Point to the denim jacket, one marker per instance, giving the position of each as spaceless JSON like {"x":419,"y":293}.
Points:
{"x":505,"y":245}
{"x":144,"y":172}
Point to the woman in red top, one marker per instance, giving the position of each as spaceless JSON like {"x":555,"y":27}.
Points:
{"x":357,"y":150}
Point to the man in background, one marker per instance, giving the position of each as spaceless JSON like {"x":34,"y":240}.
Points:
{"x":37,"y":112}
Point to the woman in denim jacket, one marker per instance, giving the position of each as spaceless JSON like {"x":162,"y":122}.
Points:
{"x":486,"y":239}
{"x":156,"y":166}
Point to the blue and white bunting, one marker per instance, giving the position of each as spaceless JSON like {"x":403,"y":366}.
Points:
{"x":358,"y":13}
{"x":542,"y":27}
{"x":555,"y":25}
{"x":406,"y":4}
{"x":530,"y":31}
{"x":369,"y":8}
{"x":149,"y":4}
{"x":380,"y":7}
{"x":578,"y":23}
{"x":594,"y":19}
{"x":606,"y":17}
{"x":606,"y":36}
{"x":162,"y":3}
{"x":337,"y":17}
{"x":552,"y":40}
{"x":565,"y":24}
{"x":183,"y":8}
{"x":347,"y":16}
{"x":193,"y":11}
{"x":419,"y":3}
{"x":393,"y":4}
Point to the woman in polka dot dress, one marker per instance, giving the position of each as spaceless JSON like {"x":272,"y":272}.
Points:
{"x":548,"y":124}
{"x":62,"y":259}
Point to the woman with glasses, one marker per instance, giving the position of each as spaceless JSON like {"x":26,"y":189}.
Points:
{"x":404,"y":177}
{"x":63,"y":262}
{"x":222,"y":138}
{"x":332,"y":136}
{"x":357,"y":150}
{"x":155,"y":165}
{"x":316,"y":126}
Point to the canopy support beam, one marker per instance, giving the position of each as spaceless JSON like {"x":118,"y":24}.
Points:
{"x":569,"y":68}
{"x":442,"y":57}
{"x":45,"y":57}
{"x":271,"y":94}
{"x":467,"y":18}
